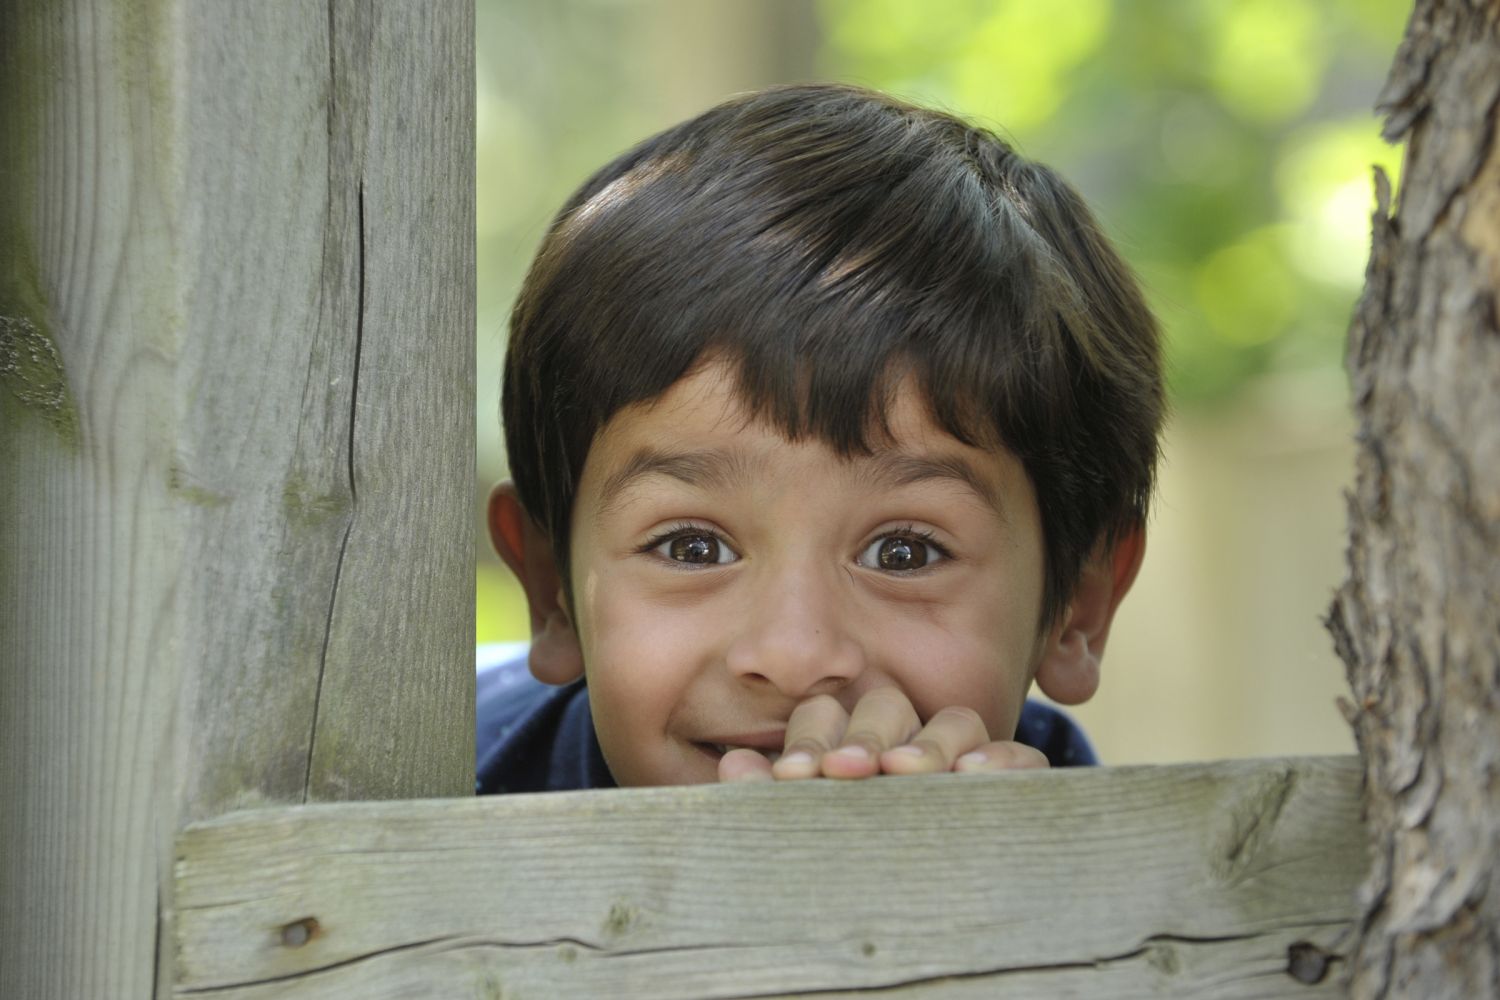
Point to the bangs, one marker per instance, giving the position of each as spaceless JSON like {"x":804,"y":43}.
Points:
{"x":821,"y":304}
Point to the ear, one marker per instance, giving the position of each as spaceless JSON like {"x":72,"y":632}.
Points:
{"x":556,"y":656}
{"x":1068,"y":671}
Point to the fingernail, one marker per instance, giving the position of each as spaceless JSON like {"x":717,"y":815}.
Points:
{"x":854,"y":750}
{"x":908,"y":750}
{"x":974,"y":759}
{"x":798,"y":757}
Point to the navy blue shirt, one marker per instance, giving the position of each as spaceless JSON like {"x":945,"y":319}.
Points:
{"x":535,"y":737}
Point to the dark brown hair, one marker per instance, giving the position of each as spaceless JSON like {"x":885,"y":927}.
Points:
{"x":824,"y":239}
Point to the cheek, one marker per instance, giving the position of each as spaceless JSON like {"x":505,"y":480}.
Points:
{"x":637,"y":652}
{"x":976,"y":652}
{"x":644,"y":665}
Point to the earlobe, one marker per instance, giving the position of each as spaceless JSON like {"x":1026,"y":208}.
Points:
{"x":556,"y":656}
{"x":1068,"y":671}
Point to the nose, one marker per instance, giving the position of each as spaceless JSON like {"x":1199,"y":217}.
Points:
{"x":798,"y":636}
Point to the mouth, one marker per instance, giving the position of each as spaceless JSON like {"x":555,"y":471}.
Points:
{"x":768,"y":745}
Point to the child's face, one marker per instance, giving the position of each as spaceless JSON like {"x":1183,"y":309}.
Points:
{"x":723,"y":574}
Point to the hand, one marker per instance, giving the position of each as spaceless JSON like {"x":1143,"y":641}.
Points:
{"x":883,"y":735}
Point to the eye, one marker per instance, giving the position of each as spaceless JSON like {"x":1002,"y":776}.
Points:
{"x":901,"y":552}
{"x":692,"y":546}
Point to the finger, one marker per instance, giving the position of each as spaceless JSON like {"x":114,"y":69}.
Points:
{"x":813,"y":729}
{"x":1004,"y":755}
{"x":882,"y":719}
{"x":947,"y":735}
{"x":744,"y":765}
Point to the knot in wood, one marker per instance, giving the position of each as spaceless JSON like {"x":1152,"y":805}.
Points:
{"x":1307,"y":963}
{"x":299,"y":932}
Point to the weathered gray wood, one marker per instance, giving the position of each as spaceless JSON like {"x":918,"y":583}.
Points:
{"x":336,"y":464}
{"x":1415,"y":620}
{"x":1190,"y":880}
{"x":236,"y":440}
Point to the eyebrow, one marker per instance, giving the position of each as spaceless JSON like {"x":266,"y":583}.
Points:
{"x":892,"y":469}
{"x":708,"y":469}
{"x":725,"y":469}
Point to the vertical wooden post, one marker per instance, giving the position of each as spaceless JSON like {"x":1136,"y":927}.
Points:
{"x":236,"y":440}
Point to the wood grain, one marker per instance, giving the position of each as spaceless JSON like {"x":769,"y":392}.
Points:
{"x":1191,"y":880}
{"x":236,"y":435}
{"x":1415,"y":619}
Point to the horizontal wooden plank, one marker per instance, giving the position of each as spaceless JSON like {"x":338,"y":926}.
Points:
{"x":1192,"y":880}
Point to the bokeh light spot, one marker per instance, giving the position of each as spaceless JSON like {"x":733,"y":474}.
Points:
{"x":1247,"y":291}
{"x":1268,"y":60}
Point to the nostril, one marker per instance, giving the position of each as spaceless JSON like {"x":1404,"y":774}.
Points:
{"x":797,"y":653}
{"x":829,"y":685}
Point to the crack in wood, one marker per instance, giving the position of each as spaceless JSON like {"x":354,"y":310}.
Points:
{"x":308,"y":973}
{"x":459,"y":943}
{"x":1145,"y":950}
{"x":338,"y":571}
{"x":1457,"y":487}
{"x":156,"y":939}
{"x":1461,"y":181}
{"x":1149,"y":949}
{"x":602,"y":951}
{"x":1252,"y":825}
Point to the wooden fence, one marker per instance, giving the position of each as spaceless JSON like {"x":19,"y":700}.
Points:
{"x":236,"y":343}
{"x":1217,"y":880}
{"x":236,"y":337}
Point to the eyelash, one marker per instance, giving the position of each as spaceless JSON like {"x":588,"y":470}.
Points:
{"x":687,"y":529}
{"x":684,"y":529}
{"x":916,"y":534}
{"x":913,"y":533}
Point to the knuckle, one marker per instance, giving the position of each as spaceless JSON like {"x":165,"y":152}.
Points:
{"x":815,"y":714}
{"x":930,"y":747}
{"x":806,"y":744}
{"x":819,"y":705}
{"x":864,"y":738}
{"x":890,"y":696}
{"x":961,"y":715}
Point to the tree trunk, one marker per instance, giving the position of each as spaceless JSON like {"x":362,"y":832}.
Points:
{"x":1416,"y":620}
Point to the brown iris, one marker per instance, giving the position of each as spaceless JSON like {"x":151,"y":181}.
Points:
{"x":694,"y":549}
{"x":899,"y":553}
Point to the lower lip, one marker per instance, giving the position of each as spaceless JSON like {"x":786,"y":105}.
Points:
{"x":708,"y":750}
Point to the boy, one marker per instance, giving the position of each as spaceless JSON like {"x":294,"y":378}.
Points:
{"x":833,"y":425}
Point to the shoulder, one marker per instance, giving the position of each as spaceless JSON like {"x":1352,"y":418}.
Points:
{"x":500,"y":672}
{"x":1052,"y":732}
{"x":530,"y":736}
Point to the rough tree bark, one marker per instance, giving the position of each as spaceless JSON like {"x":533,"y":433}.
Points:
{"x":1416,"y":621}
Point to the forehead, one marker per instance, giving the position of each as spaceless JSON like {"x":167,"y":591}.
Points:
{"x":702,"y":432}
{"x":706,"y":404}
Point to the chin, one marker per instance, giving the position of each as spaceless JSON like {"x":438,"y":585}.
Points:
{"x":696,"y":767}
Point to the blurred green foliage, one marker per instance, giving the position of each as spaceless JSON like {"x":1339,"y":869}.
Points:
{"x":1226,"y":145}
